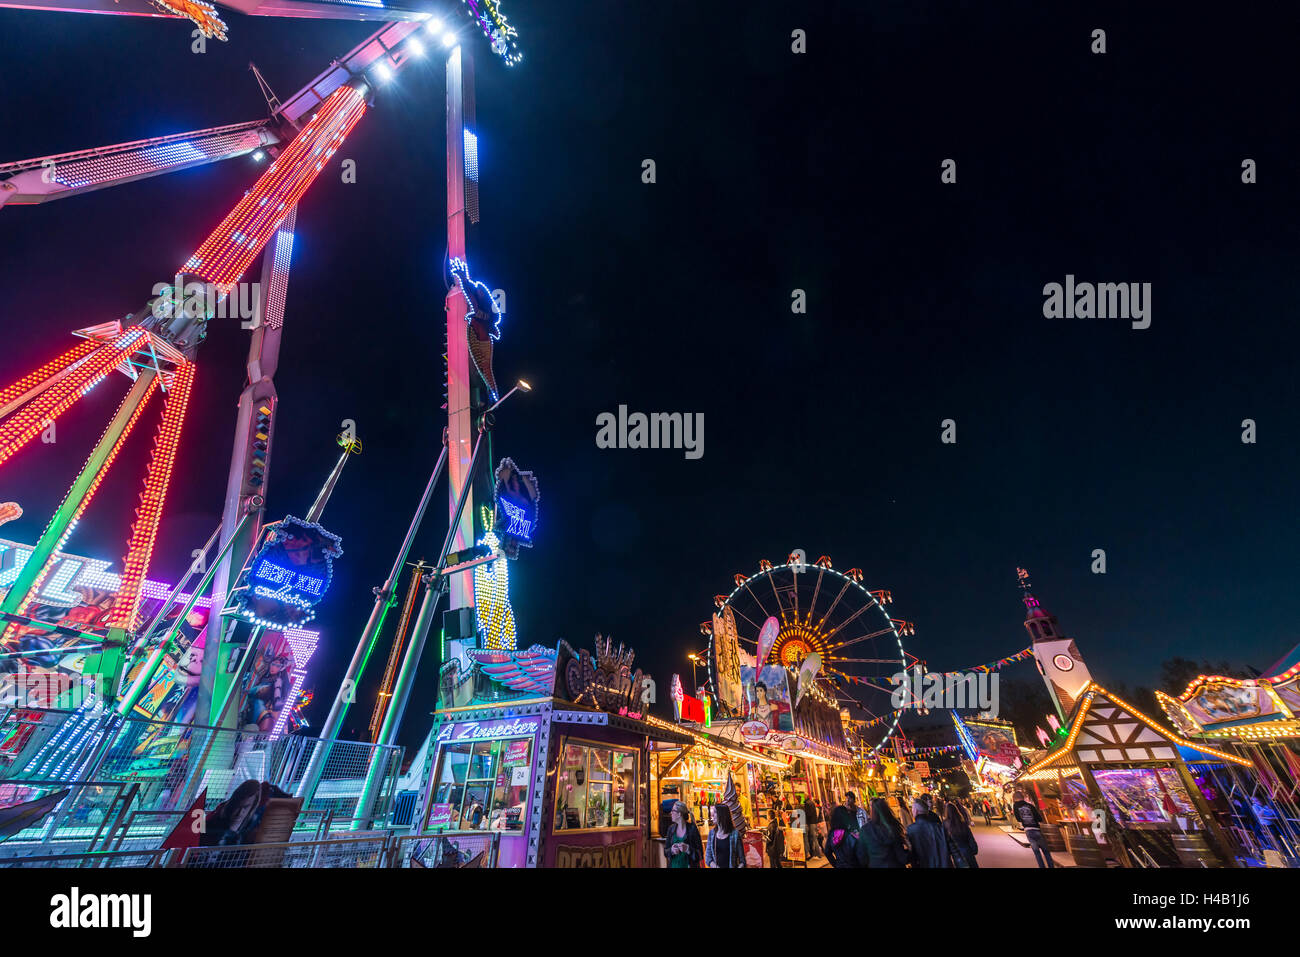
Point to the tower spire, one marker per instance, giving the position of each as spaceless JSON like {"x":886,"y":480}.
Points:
{"x":1057,"y":656}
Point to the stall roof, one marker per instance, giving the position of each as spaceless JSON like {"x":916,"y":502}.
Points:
{"x":572,"y":714}
{"x":732,"y":749}
{"x":1101,"y":741}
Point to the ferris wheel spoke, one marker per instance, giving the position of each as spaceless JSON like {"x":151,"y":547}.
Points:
{"x":757,"y":602}
{"x":853,"y":641}
{"x":836,"y":601}
{"x":848,"y":621}
{"x":812,"y":606}
{"x":756,"y":628}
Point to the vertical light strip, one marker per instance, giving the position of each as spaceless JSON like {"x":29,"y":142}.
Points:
{"x":144,"y":532}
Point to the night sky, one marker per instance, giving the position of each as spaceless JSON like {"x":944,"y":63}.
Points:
{"x":775,"y":171}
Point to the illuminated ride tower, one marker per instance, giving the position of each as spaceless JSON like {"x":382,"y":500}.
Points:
{"x":1058,"y":658}
{"x":155,"y":348}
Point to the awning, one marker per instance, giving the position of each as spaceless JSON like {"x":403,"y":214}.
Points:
{"x":604,"y":719}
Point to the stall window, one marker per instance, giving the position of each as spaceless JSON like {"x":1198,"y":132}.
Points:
{"x":482,"y":785}
{"x":596,"y":787}
{"x":1146,"y":796}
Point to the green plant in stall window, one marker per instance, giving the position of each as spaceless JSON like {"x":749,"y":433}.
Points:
{"x":596,"y":810}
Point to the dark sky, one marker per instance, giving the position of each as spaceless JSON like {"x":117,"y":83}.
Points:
{"x":775,"y":172}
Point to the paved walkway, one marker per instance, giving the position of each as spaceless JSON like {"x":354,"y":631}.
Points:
{"x":1003,"y":846}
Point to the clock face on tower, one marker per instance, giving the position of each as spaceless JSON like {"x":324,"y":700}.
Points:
{"x":1063,"y":662}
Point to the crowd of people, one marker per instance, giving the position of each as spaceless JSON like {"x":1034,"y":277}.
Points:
{"x":939,"y":835}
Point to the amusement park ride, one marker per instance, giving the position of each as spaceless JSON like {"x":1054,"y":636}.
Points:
{"x":845,"y":649}
{"x":156,"y":348}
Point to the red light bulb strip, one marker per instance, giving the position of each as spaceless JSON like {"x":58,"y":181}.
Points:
{"x":29,"y":382}
{"x":33,"y":418}
{"x":144,"y":531}
{"x":233,"y":245}
{"x":90,"y":494}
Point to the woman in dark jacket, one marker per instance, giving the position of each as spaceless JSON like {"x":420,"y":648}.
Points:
{"x":725,"y":848}
{"x":682,"y":844}
{"x":880,"y":843}
{"x":960,"y":837}
{"x":841,"y":848}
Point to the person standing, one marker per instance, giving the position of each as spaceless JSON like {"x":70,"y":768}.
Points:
{"x":926,"y":839}
{"x":841,"y":846}
{"x":810,"y":827}
{"x":682,"y":843}
{"x":988,"y":810}
{"x":956,"y":822}
{"x":859,"y":813}
{"x":1032,"y":820}
{"x":774,"y":839}
{"x":880,"y":841}
{"x":725,"y":846}
{"x":822,"y":816}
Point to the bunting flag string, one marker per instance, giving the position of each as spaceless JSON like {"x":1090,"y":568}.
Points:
{"x":993,"y":665}
{"x":881,"y":720}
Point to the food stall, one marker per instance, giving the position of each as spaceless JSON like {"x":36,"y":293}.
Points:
{"x":544,"y":755}
{"x":698,"y":775}
{"x":1258,"y":720}
{"x":1118,"y":760}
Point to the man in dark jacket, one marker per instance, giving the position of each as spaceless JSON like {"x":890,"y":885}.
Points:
{"x":1031,"y":819}
{"x":774,"y":838}
{"x":810,"y":819}
{"x":926,"y":839}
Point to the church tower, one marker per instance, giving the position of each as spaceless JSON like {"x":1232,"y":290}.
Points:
{"x":1058,"y":658}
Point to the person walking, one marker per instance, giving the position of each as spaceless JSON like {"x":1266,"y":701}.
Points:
{"x":859,"y":813}
{"x":810,"y":819}
{"x":774,"y":840}
{"x":682,"y":843}
{"x":1032,"y":820}
{"x":988,"y":810}
{"x":841,"y":845}
{"x":822,"y":816}
{"x":926,"y":839}
{"x":725,"y":847}
{"x":880,"y":840}
{"x":956,"y":822}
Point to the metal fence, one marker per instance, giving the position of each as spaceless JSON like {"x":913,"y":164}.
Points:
{"x":365,"y":851}
{"x":375,"y":849}
{"x":436,"y":850}
{"x":164,"y":766}
{"x":144,"y":858}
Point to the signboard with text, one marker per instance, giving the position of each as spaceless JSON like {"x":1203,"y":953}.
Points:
{"x":288,"y":576}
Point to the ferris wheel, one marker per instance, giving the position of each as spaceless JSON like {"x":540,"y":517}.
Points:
{"x":819,"y":610}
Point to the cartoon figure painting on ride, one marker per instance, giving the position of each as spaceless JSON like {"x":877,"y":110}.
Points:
{"x":831,"y":631}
